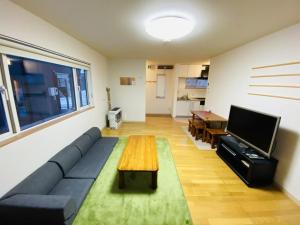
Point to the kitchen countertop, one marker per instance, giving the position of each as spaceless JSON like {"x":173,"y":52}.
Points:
{"x":191,"y":99}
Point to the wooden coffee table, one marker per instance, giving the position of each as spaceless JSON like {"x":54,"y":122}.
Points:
{"x":139,"y":155}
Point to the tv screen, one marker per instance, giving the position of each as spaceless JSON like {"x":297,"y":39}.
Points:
{"x":254,"y":128}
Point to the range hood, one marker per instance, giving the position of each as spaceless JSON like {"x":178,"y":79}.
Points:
{"x":204,"y":73}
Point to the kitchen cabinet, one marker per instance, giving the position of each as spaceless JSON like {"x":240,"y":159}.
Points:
{"x":184,"y":108}
{"x":194,"y":70}
{"x":181,"y":70}
{"x":195,"y":105}
{"x":188,"y":70}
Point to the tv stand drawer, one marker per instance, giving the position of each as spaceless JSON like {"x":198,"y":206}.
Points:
{"x":228,"y":150}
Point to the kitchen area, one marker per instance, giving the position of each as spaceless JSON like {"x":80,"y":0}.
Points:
{"x":189,"y":99}
{"x":184,"y":89}
{"x":191,"y":84}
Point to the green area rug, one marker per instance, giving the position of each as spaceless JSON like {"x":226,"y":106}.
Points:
{"x":137,"y":204}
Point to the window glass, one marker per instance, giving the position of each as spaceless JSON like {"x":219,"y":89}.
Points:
{"x":82,"y":83}
{"x":42,"y":90}
{"x":3,"y":121}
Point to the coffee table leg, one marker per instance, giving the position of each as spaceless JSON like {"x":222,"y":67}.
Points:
{"x":121,"y":179}
{"x":154,"y":180}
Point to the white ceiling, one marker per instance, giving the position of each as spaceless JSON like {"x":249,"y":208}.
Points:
{"x":116,"y":27}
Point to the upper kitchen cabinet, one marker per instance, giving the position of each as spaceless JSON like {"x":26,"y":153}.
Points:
{"x":194,"y":70}
{"x":188,"y":70}
{"x":181,"y":70}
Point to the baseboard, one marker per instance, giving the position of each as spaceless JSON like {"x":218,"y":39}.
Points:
{"x":184,"y":116}
{"x":133,"y":121}
{"x":158,"y":115}
{"x":290,"y":196}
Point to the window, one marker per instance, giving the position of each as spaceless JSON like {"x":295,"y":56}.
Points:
{"x":36,"y":88}
{"x":42,"y":90}
{"x":82,"y":87}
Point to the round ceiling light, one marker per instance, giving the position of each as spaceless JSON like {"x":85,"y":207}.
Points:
{"x":169,"y":28}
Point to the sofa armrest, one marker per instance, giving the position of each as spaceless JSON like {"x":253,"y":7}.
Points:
{"x":36,"y":209}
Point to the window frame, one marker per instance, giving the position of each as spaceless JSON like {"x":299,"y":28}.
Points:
{"x":4,"y":97}
{"x":11,"y":103}
{"x":88,"y":84}
{"x":75,"y":99}
{"x":10,"y":107}
{"x":89,"y":87}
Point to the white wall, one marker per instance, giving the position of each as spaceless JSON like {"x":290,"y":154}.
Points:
{"x":19,"y":159}
{"x":159,"y":105}
{"x":229,"y":79}
{"x":131,"y":98}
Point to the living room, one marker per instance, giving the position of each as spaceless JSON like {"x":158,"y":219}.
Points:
{"x":99,"y":43}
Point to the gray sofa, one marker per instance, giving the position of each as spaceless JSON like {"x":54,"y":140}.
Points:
{"x":53,"y":194}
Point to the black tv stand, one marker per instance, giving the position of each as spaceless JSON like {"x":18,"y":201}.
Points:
{"x":253,"y":168}
{"x":242,"y":145}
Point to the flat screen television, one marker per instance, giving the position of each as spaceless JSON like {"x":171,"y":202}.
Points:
{"x":256,"y":129}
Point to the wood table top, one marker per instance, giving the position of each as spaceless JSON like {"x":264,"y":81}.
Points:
{"x":139,"y":154}
{"x":208,"y":116}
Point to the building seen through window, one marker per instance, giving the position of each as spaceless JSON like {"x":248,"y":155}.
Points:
{"x":42,"y":90}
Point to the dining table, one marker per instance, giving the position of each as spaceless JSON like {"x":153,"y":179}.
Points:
{"x":208,"y":117}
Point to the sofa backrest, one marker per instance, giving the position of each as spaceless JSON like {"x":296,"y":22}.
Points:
{"x":40,"y":181}
{"x":94,"y":133}
{"x":67,"y":158}
{"x":83,"y":143}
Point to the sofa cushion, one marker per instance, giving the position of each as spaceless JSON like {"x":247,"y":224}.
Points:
{"x":66,"y":158}
{"x":40,"y":181}
{"x":105,"y":143}
{"x":88,"y":167}
{"x":37,"y":209}
{"x":92,"y":163}
{"x":94,"y":133}
{"x":70,"y":221}
{"x":76,"y":188}
{"x":83,"y":143}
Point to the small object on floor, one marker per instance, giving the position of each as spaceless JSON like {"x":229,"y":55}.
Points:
{"x":115,"y":117}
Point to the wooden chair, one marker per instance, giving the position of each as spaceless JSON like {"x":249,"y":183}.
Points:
{"x":197,"y":125}
{"x":190,"y":129}
{"x":212,"y":135}
{"x":198,"y":129}
{"x":190,"y":124}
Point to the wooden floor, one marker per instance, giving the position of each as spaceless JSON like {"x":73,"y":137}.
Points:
{"x":215,"y":195}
